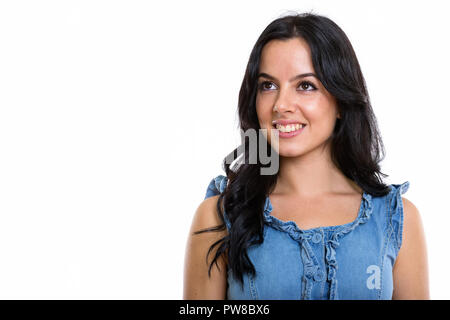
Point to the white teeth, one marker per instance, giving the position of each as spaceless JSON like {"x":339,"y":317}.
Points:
{"x":289,"y":127}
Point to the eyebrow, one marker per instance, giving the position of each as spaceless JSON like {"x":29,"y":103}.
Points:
{"x":303,"y":75}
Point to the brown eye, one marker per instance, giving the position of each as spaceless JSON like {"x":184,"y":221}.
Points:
{"x":306,"y":84}
{"x":264,"y":86}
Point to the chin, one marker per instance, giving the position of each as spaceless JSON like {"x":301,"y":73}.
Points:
{"x":290,"y":152}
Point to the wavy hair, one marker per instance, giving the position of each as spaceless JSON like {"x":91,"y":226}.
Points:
{"x":356,"y":144}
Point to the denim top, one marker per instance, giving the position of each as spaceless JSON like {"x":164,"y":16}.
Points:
{"x":350,"y":261}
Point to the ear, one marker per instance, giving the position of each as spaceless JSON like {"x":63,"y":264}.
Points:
{"x":338,"y":115}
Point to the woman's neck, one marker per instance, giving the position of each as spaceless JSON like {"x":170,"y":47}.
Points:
{"x":312,"y":175}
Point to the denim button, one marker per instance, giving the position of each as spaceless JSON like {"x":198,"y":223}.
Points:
{"x":309,"y":271}
{"x":319,"y":276}
{"x":317,"y":237}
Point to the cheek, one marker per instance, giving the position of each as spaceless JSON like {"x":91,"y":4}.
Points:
{"x":321,"y":113}
{"x":264,"y":113}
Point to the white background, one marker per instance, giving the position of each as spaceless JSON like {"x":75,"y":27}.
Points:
{"x":115,"y":115}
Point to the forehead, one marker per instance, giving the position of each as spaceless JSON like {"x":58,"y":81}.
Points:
{"x":286,"y":57}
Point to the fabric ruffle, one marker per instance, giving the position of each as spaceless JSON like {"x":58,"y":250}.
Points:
{"x":216,"y":187}
{"x":396,"y":212}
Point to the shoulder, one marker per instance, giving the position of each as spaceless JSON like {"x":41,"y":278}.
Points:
{"x":202,"y":279}
{"x":411,"y":214}
{"x":413,"y":230}
{"x":411,"y":265}
{"x":206,"y":215}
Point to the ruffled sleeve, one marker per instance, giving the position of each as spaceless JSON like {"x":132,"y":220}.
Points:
{"x":216,"y":187}
{"x":396,"y":207}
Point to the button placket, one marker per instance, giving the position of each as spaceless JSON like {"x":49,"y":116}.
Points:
{"x":319,"y":274}
{"x":313,"y":271}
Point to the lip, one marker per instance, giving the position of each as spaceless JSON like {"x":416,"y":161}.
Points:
{"x":290,"y":134}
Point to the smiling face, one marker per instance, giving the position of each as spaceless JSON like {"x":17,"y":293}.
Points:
{"x":290,"y":99}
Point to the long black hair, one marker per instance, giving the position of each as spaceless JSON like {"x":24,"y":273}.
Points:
{"x":356,"y":144}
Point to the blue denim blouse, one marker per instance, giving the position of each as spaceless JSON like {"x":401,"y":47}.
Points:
{"x":350,"y":261}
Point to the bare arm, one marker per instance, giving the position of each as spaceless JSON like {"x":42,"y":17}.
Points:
{"x":411,"y":266}
{"x":197,"y":284}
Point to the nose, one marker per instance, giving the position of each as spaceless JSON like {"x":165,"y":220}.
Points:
{"x":283,"y":103}
{"x":282,"y":108}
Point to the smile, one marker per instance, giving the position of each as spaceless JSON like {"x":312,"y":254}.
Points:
{"x":290,"y":130}
{"x":289,"y":127}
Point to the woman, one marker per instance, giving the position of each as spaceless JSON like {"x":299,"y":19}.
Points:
{"x":324,"y":226}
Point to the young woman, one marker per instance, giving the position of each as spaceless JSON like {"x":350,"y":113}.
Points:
{"x":324,"y":226}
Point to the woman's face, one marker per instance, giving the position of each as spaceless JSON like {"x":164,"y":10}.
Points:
{"x":298,"y":99}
